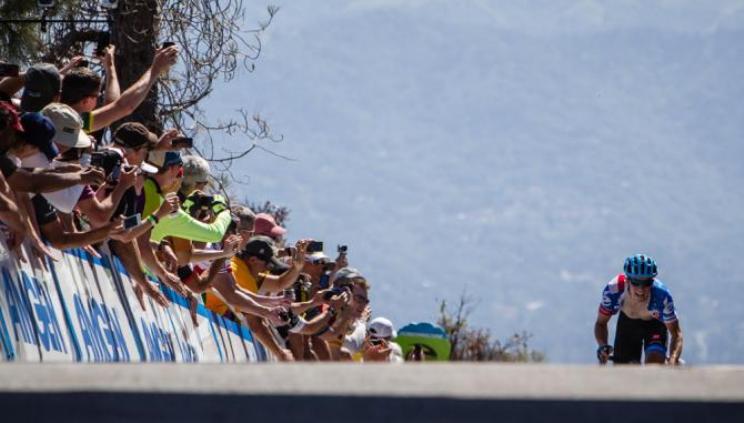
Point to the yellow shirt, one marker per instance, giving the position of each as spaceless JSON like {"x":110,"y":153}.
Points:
{"x":244,"y":279}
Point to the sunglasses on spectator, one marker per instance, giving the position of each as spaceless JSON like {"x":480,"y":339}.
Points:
{"x":643,"y":283}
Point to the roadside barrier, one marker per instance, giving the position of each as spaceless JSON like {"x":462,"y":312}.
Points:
{"x":83,"y":309}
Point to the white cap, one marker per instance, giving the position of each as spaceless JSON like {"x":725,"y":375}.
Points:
{"x":316,"y":257}
{"x":68,"y":125}
{"x":381,"y":327}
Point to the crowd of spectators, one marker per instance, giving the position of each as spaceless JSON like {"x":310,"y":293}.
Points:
{"x":79,"y":172}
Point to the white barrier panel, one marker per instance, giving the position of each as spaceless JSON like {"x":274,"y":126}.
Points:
{"x":83,"y":308}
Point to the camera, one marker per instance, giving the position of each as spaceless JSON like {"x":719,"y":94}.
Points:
{"x":201,"y":201}
{"x":131,"y":221}
{"x":109,"y":161}
{"x":183,"y":142}
{"x":289,"y":317}
{"x":314,"y":246}
{"x":334,"y":292}
{"x":104,"y":39}
{"x":7,"y":69}
{"x":342,"y":249}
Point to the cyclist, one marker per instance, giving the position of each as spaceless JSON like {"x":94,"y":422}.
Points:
{"x":646,"y":314}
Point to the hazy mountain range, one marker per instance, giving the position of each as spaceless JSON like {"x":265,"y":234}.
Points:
{"x":519,"y":150}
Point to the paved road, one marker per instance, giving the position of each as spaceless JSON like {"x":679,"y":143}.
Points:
{"x":342,"y":392}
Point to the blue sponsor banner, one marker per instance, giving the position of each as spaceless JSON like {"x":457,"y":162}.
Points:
{"x":83,"y":308}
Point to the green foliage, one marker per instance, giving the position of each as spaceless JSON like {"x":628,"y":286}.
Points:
{"x":25,"y":42}
{"x":476,"y":344}
{"x":19,"y":43}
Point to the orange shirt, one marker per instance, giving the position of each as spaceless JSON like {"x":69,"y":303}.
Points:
{"x":244,"y":279}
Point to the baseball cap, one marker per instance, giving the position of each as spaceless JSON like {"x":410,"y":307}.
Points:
{"x":39,"y":132}
{"x":9,"y":117}
{"x":262,"y":248}
{"x":134,"y":135}
{"x":381,"y":327}
{"x":163,"y":159}
{"x":42,"y":84}
{"x":69,"y":125}
{"x":348,"y":273}
{"x":195,"y":170}
{"x":316,"y":257}
{"x":266,"y":225}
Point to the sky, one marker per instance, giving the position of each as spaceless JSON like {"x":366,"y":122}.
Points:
{"x":515,"y":151}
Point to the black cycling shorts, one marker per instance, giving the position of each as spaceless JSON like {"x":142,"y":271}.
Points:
{"x":634,"y":335}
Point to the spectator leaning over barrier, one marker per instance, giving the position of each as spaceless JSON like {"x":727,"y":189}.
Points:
{"x":198,"y":279}
{"x":120,"y":197}
{"x":29,"y":180}
{"x":36,"y":138}
{"x":345,"y":325}
{"x":244,"y":303}
{"x":170,"y":169}
{"x":379,"y":345}
{"x":60,"y":235}
{"x":81,"y":86}
{"x":198,"y":205}
{"x":41,"y":84}
{"x":72,"y":144}
{"x":180,"y":224}
{"x":249,"y":275}
{"x":131,"y":141}
{"x":316,"y":267}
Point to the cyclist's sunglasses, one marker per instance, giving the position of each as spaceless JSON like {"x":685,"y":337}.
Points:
{"x":641,"y":282}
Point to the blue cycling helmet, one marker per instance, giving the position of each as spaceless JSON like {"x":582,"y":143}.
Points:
{"x":640,"y":266}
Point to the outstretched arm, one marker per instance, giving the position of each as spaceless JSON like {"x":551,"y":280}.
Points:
{"x":61,"y":239}
{"x":24,"y":181}
{"x":111,"y":91}
{"x":136,"y":94}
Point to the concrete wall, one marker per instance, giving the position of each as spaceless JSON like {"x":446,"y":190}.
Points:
{"x":368,"y":393}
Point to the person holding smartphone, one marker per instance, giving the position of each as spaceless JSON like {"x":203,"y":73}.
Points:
{"x":81,"y":88}
{"x":378,"y":344}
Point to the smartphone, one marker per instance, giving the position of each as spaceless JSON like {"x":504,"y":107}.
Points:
{"x":376,"y":341}
{"x":289,"y":318}
{"x":104,"y":39}
{"x":131,"y":221}
{"x":115,"y":173}
{"x":183,"y":142}
{"x":314,"y":246}
{"x":8,"y":69}
{"x":167,"y":44}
